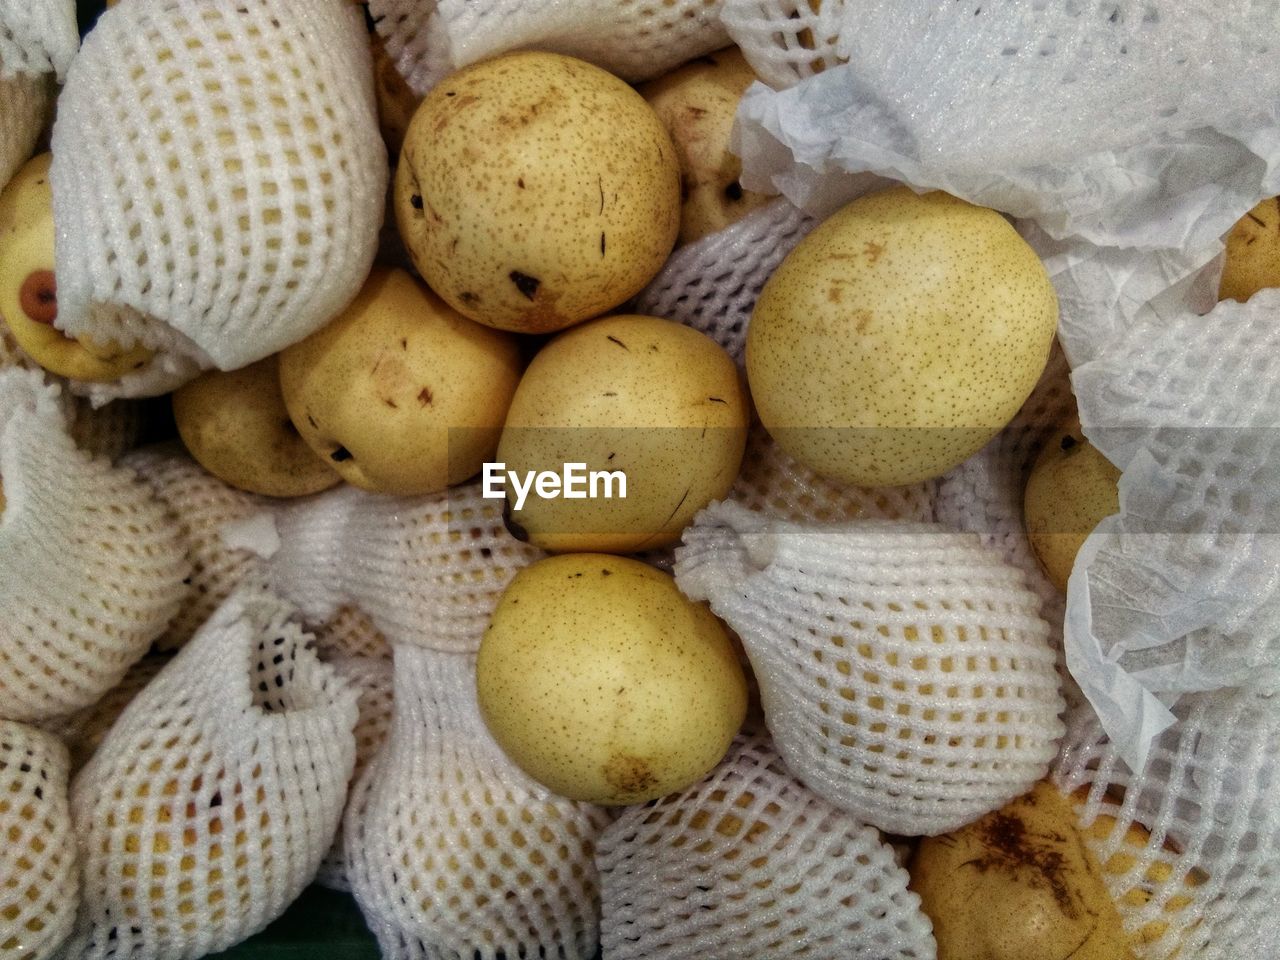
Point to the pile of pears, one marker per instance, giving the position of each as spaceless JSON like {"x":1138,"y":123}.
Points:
{"x":535,"y":195}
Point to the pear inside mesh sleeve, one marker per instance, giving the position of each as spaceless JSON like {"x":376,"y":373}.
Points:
{"x":1190,"y":844}
{"x":38,"y":882}
{"x":218,"y":175}
{"x":904,"y":671}
{"x":211,"y":802}
{"x":750,"y":864}
{"x":91,"y":568}
{"x":452,"y":851}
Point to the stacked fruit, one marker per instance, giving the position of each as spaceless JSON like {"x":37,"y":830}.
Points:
{"x":824,"y":674}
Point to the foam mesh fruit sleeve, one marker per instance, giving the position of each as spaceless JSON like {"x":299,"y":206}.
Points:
{"x":212,"y":801}
{"x":454,"y":852}
{"x":749,"y":863}
{"x":39,"y":882}
{"x":218,"y":176}
{"x":91,"y":565}
{"x":905,"y":673}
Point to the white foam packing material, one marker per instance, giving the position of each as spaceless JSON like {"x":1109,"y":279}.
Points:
{"x":227,"y":203}
{"x":453,"y":851}
{"x":212,"y":801}
{"x":772,"y":481}
{"x":984,"y":495}
{"x":200,"y":506}
{"x":25,"y":105}
{"x":37,"y":37}
{"x":91,"y":567}
{"x":749,"y":864}
{"x":1126,"y":123}
{"x":1209,"y":872}
{"x":166,"y":372}
{"x":425,"y":570}
{"x":38,"y":878}
{"x":905,"y":673}
{"x":786,"y":41}
{"x":1180,"y":591}
{"x":712,"y":284}
{"x":633,"y":39}
{"x":374,"y":680}
{"x":84,"y":730}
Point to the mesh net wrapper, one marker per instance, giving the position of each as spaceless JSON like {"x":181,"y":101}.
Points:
{"x":750,"y":864}
{"x":375,"y":682}
{"x":38,"y":38}
{"x":452,"y":850}
{"x":200,"y":506}
{"x":984,"y":495}
{"x":1180,"y":591}
{"x":38,"y":880}
{"x":84,"y":730}
{"x":713,"y":283}
{"x":904,"y":670}
{"x":1190,"y":847}
{"x":91,"y":567}
{"x":210,"y":804}
{"x":425,"y":570}
{"x":633,"y":39}
{"x":350,"y":634}
{"x":218,"y":176}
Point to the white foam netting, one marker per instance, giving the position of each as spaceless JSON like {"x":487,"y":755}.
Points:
{"x":984,"y":495}
{"x":91,"y":567}
{"x":38,"y":879}
{"x":1205,"y":882}
{"x":426,"y":570}
{"x":786,"y":41}
{"x":25,"y":105}
{"x":200,"y":507}
{"x":1124,"y":122}
{"x":712,"y":284}
{"x":84,"y":730}
{"x":350,"y":634}
{"x":454,"y":852}
{"x":904,"y":670}
{"x":633,"y":39}
{"x":1181,"y":590}
{"x":37,"y":37}
{"x":211,"y":802}
{"x":218,"y":175}
{"x":773,"y":482}
{"x":750,"y":864}
{"x":375,"y":682}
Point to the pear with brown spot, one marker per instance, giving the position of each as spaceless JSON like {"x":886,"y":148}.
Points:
{"x":1253,"y":253}
{"x":656,"y":401}
{"x":600,"y":680}
{"x":1071,"y":489}
{"x":899,"y":337}
{"x":236,"y":426}
{"x":1023,"y":884}
{"x":401,"y":394}
{"x":697,"y":104}
{"x":535,"y":191}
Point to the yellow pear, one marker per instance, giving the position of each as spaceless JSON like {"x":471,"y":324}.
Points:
{"x":236,"y":425}
{"x":29,"y":290}
{"x":697,"y":105}
{"x":1253,"y":253}
{"x":1022,"y":884}
{"x":401,"y":394}
{"x":1071,"y":489}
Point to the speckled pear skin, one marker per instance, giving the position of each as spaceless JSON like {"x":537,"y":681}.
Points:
{"x":899,"y":337}
{"x":602,"y":682}
{"x":535,"y":191}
